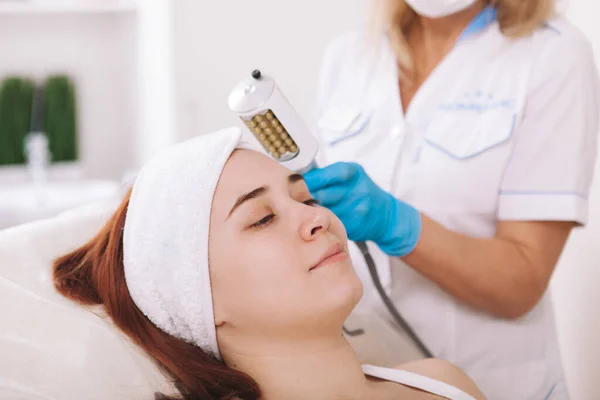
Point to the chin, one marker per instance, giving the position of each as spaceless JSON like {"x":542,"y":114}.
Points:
{"x":343,"y":294}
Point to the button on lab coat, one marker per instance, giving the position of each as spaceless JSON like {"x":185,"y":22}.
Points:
{"x":503,"y":129}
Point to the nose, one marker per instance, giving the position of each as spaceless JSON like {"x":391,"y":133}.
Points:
{"x":315,"y":222}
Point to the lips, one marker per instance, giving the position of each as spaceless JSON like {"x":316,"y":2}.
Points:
{"x":333,"y":252}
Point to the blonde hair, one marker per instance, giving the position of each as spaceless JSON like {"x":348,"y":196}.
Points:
{"x":516,"y":18}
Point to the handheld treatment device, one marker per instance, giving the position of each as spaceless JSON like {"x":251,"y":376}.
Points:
{"x":273,"y":123}
{"x":270,"y":120}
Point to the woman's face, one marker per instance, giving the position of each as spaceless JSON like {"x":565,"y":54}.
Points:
{"x":267,"y":238}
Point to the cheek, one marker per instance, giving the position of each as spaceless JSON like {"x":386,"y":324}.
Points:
{"x":256,"y":265}
{"x":263,"y":285}
{"x":337,"y":228}
{"x":267,"y":261}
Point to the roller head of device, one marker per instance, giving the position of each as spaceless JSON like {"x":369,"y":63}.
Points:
{"x":270,"y":120}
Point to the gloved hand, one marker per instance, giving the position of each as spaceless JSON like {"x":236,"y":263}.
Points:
{"x":367,"y":211}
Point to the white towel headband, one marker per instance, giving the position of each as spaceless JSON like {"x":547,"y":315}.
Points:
{"x":165,"y":240}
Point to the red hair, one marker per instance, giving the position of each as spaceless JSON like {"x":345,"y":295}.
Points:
{"x":94,"y":274}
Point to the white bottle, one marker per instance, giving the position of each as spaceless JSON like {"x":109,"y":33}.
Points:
{"x":37,"y":153}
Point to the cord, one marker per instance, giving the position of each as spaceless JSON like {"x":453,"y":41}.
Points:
{"x":388,"y":303}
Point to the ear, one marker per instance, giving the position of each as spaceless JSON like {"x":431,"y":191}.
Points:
{"x":219,"y":316}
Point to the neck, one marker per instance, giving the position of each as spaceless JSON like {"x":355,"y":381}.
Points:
{"x":441,"y":31}
{"x":327,"y":368}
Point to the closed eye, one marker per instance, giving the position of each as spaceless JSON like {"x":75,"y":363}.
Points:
{"x":265,"y":221}
{"x":269,"y":218}
{"x":312,"y":202}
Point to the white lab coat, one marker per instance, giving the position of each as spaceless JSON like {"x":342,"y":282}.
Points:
{"x":502,"y":130}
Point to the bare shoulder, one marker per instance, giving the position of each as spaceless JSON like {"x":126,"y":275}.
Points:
{"x":446,"y":372}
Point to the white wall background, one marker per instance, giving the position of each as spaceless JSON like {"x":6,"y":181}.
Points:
{"x":217,"y":43}
{"x":97,"y":51}
{"x":577,"y":278}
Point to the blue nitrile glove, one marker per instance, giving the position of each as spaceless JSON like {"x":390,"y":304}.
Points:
{"x":368,"y":212}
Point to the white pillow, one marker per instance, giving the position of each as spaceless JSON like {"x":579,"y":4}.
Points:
{"x":50,"y":347}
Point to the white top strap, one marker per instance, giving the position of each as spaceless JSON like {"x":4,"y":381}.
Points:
{"x":417,"y":381}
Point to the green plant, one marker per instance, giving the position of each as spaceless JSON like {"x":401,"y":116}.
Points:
{"x":60,"y":118}
{"x":16,"y":96}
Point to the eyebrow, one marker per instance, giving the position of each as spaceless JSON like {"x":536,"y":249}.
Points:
{"x":293,"y":178}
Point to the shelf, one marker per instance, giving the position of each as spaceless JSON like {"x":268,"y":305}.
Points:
{"x":62,"y":171}
{"x":25,"y":7}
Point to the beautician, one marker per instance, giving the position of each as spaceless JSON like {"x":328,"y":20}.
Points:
{"x":461,"y":147}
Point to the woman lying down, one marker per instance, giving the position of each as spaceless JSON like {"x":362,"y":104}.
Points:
{"x":265,"y":320}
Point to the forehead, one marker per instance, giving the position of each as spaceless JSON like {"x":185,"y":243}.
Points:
{"x":245,"y":171}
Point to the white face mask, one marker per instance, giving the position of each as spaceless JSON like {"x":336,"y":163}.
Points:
{"x":439,"y":8}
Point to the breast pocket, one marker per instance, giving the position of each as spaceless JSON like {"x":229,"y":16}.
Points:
{"x":341,"y":124}
{"x":466,"y":134}
{"x":463,"y":157}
